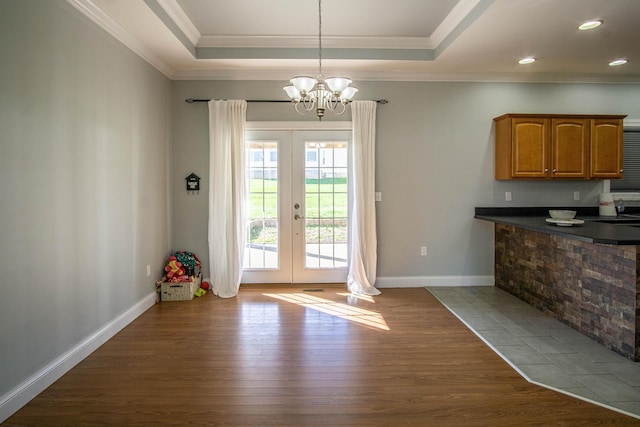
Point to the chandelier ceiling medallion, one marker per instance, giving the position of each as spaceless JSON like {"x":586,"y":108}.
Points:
{"x":320,"y":94}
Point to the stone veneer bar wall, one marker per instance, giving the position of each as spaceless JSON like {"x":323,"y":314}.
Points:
{"x":591,"y":287}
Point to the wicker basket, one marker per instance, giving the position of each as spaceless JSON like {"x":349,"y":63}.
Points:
{"x":182,"y":291}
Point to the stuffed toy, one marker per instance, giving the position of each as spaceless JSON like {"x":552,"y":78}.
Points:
{"x":174,"y":268}
{"x":189,"y":262}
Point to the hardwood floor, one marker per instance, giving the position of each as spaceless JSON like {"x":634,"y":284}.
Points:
{"x":284,"y":356}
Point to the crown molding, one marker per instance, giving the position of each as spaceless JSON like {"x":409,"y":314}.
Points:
{"x":376,"y":47}
{"x":104,"y":21}
{"x":400,"y":76}
{"x":460,"y":12}
{"x":180,"y":18}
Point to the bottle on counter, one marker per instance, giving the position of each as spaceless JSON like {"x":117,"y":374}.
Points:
{"x":607,"y":206}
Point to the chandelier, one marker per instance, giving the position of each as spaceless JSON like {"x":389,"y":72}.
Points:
{"x":320,"y":94}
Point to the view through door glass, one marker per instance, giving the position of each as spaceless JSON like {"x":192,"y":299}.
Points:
{"x":267,"y":255}
{"x":297,"y":230}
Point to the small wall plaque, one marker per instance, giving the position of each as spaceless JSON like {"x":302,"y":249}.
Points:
{"x":193,"y":183}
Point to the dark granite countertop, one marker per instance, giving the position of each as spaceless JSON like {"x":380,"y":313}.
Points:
{"x":620,"y":230}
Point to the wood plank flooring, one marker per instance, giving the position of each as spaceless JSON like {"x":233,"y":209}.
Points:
{"x":277,"y":355}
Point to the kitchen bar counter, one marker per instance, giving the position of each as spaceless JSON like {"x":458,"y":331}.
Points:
{"x":586,"y":276}
{"x":615,"y":231}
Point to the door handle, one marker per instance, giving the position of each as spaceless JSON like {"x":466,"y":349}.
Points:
{"x":296,"y":216}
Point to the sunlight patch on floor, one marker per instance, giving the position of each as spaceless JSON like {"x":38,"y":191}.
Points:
{"x":367,"y":298}
{"x":344,"y":311}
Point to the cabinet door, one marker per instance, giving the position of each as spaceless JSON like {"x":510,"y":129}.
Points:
{"x":606,"y":148}
{"x":530,"y":148}
{"x":569,"y":148}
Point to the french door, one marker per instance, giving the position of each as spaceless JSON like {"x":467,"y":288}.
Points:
{"x":298,"y":225}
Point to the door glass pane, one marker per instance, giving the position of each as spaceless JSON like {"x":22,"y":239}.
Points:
{"x":326,"y":205}
{"x":262,"y":249}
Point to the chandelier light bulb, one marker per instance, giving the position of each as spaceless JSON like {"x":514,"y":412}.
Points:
{"x":337,"y":84}
{"x":303,"y":84}
{"x":348,"y":93}
{"x":293,"y":93}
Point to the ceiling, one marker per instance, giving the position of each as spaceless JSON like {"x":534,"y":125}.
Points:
{"x":393,"y":40}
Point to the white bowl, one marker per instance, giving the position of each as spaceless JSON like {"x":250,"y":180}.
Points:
{"x":560,"y":214}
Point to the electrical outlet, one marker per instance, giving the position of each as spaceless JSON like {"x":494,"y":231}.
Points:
{"x":576,"y":195}
{"x":148,"y":270}
{"x":378,"y":196}
{"x":507,"y":196}
{"x":423,"y":251}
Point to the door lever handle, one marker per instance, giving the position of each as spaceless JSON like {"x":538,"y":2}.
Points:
{"x":296,"y":216}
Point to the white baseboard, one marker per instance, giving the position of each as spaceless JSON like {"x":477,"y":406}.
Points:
{"x":38,"y":382}
{"x":422,"y":281}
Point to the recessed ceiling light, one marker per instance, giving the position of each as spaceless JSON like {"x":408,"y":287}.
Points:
{"x":527,"y":60}
{"x":617,"y":62}
{"x":590,"y":25}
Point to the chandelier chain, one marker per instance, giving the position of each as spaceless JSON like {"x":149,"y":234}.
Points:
{"x":320,"y":35}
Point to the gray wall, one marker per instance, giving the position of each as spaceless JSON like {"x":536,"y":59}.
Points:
{"x":84,"y":146}
{"x":434,"y":163}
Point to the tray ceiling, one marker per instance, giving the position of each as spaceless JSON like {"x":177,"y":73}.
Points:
{"x":400,"y":40}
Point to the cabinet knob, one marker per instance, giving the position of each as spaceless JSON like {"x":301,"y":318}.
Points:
{"x":555,"y":170}
{"x":621,"y":170}
{"x":546,"y":170}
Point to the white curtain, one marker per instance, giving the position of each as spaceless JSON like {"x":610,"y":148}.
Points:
{"x":226,"y":195}
{"x":364,"y":255}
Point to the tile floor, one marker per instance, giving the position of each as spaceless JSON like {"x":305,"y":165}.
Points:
{"x":544,"y":350}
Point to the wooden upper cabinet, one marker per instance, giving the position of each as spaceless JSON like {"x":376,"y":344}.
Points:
{"x":529,"y":148}
{"x":606,"y":148}
{"x":569,"y":148}
{"x":539,"y":146}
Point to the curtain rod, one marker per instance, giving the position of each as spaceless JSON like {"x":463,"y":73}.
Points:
{"x":192,"y":100}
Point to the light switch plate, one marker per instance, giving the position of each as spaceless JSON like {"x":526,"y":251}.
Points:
{"x":378,"y":196}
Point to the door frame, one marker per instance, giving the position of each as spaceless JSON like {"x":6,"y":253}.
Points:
{"x":293,"y":127}
{"x":326,"y":125}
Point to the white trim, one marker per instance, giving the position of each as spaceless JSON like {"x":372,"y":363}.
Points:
{"x":285,"y":74}
{"x":422,"y":281}
{"x":181,"y":19}
{"x":306,"y":125}
{"x":459,"y":12}
{"x":104,"y":21}
{"x":34,"y":385}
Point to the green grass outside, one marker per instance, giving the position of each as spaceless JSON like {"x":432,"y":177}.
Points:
{"x":326,"y":198}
